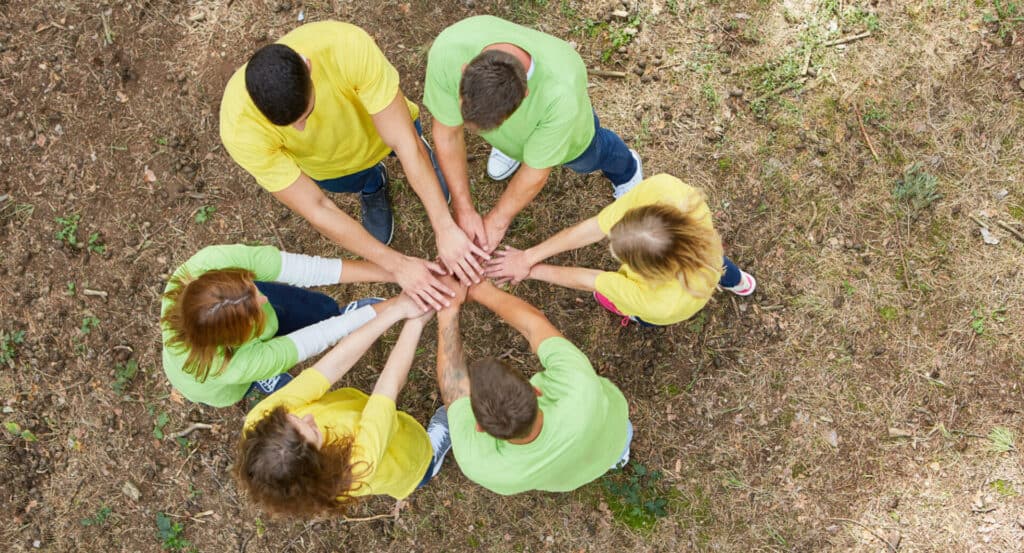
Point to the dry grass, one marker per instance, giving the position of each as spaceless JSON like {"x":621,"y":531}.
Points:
{"x":849,"y":402}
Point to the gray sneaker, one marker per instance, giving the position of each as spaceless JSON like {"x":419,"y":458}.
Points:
{"x":440,"y":438}
{"x":376,"y":208}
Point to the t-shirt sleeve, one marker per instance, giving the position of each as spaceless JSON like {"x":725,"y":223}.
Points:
{"x":565,"y":367}
{"x":548,"y":145}
{"x":262,"y":154}
{"x":441,"y":87}
{"x":259,"y":359}
{"x":303,"y":390}
{"x":623,"y":292}
{"x":368,"y":71}
{"x":264,"y":261}
{"x":376,"y":428}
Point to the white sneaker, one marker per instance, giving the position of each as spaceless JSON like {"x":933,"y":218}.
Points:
{"x":621,"y":189}
{"x":746,"y":286}
{"x":500,"y":166}
{"x":440,"y":437}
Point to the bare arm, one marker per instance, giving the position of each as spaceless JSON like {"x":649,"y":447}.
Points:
{"x":396,"y":370}
{"x":450,"y":146}
{"x":358,"y":270}
{"x":571,"y":277}
{"x":524,"y":186}
{"x":522,"y":316}
{"x":452,"y":375}
{"x":514,"y":265}
{"x":343,"y":356}
{"x":414,"y":275}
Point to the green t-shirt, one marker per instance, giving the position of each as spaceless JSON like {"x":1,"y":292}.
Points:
{"x":262,"y":357}
{"x":555,"y":122}
{"x":584,"y":432}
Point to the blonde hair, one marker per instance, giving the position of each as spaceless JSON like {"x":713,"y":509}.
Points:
{"x":662,"y":242}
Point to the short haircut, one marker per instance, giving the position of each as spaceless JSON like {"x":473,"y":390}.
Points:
{"x":278,"y":82}
{"x":492,"y":87}
{"x":503,"y":400}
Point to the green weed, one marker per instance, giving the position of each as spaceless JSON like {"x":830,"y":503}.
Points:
{"x":1003,"y":488}
{"x":89,"y":323}
{"x":17,"y":430}
{"x":158,"y":425}
{"x":888,"y":313}
{"x":979,"y":318}
{"x":1001,"y":440}
{"x":68,"y":231}
{"x":99,"y":519}
{"x":697,"y":322}
{"x":172,"y":534}
{"x":634,"y":496}
{"x":916,"y":190}
{"x":1006,"y":14}
{"x":95,"y":243}
{"x":71,"y":289}
{"x":204,"y":213}
{"x":124,"y":373}
{"x":9,"y":343}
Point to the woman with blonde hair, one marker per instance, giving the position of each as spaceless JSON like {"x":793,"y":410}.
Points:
{"x":305,"y":450}
{"x":235,"y":318}
{"x":671,"y":255}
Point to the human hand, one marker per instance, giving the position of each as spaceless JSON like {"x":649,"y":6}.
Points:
{"x":509,"y":265}
{"x":418,"y":281}
{"x":459,"y":254}
{"x":460,"y":291}
{"x":473,"y":226}
{"x":495,"y":231}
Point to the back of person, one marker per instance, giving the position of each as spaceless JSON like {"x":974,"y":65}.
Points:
{"x":584,"y":430}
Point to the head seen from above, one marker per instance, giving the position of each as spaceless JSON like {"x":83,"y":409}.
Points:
{"x":284,"y":470}
{"x":214,"y":313}
{"x":279,"y":83}
{"x":661,"y":242}
{"x":503,"y":400}
{"x":492,"y":87}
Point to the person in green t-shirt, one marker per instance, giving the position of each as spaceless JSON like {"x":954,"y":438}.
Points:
{"x":525,"y":93}
{"x":555,"y":432}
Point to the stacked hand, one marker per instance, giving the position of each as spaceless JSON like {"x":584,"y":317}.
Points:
{"x":417,"y":279}
{"x":508,"y":265}
{"x":459,"y":254}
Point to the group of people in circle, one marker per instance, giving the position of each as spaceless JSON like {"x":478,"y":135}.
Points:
{"x":318,"y":111}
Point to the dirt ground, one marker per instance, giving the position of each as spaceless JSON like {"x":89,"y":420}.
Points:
{"x":866,"y":398}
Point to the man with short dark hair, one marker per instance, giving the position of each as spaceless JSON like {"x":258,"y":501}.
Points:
{"x":557,"y":431}
{"x":525,"y":93}
{"x":319,"y":110}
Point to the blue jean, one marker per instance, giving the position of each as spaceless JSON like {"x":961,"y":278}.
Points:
{"x":297,"y":307}
{"x":608,"y":153}
{"x":370,"y":180}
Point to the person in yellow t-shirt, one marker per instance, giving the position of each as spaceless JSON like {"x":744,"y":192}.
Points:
{"x":671,"y":255}
{"x":305,"y":450}
{"x":319,"y":110}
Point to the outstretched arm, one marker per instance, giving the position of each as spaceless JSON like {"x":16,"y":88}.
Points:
{"x":514,"y":265}
{"x":396,"y":370}
{"x":452,"y":375}
{"x":522,"y":316}
{"x":524,"y":186}
{"x":579,"y":278}
{"x":343,"y":356}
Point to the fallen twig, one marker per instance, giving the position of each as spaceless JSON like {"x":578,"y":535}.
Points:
{"x":844,"y":40}
{"x":374,"y":517}
{"x":191,"y":428}
{"x":604,"y":73}
{"x":890,"y":546}
{"x":784,"y":88}
{"x":1016,"y":234}
{"x":90,"y":292}
{"x":979,"y":221}
{"x":863,"y":131}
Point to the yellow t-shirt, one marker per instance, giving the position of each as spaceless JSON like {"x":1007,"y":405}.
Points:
{"x":664,"y":302}
{"x":391,"y":444}
{"x":352,"y":80}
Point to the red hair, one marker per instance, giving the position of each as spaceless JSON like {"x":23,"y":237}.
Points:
{"x":213,"y":314}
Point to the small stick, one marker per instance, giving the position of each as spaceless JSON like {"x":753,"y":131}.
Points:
{"x":844,"y":40}
{"x":191,"y":428}
{"x":873,"y":533}
{"x":807,"y":63}
{"x":863,"y":131}
{"x":604,"y":73}
{"x":364,"y":519}
{"x":979,"y":221}
{"x":1011,"y":230}
{"x":786,"y":87}
{"x":98,"y":293}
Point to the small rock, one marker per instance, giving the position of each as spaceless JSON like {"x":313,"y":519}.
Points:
{"x":131,"y":490}
{"x":736,"y":92}
{"x":638,"y":70}
{"x":620,"y":14}
{"x":999,"y":195}
{"x":725,"y":70}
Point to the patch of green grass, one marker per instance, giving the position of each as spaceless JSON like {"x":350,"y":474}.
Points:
{"x":124,"y":373}
{"x":1006,"y":13}
{"x":1004,"y":488}
{"x":916,"y":190}
{"x":875,"y":115}
{"x":980,"y":316}
{"x":710,"y":95}
{"x":17,"y":430}
{"x":68,"y":231}
{"x":99,"y":519}
{"x":1001,"y":440}
{"x":89,"y":323}
{"x":1017,"y":212}
{"x":172,"y":534}
{"x":204,"y":213}
{"x":9,"y":342}
{"x":888,"y":313}
{"x":635,"y":496}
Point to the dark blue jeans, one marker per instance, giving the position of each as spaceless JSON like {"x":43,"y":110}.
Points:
{"x":297,"y":307}
{"x":608,"y":153}
{"x":370,"y":180}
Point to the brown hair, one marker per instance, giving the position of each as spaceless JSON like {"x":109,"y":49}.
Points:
{"x":287,"y":475}
{"x":214,"y":313}
{"x":492,"y":87}
{"x":503,"y":400}
{"x":661,"y":242}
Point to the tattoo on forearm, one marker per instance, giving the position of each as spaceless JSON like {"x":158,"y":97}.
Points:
{"x":453,"y":376}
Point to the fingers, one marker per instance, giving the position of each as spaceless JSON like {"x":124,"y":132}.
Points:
{"x":435,"y":268}
{"x":438,"y":291}
{"x":475,"y":250}
{"x":423,"y":306}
